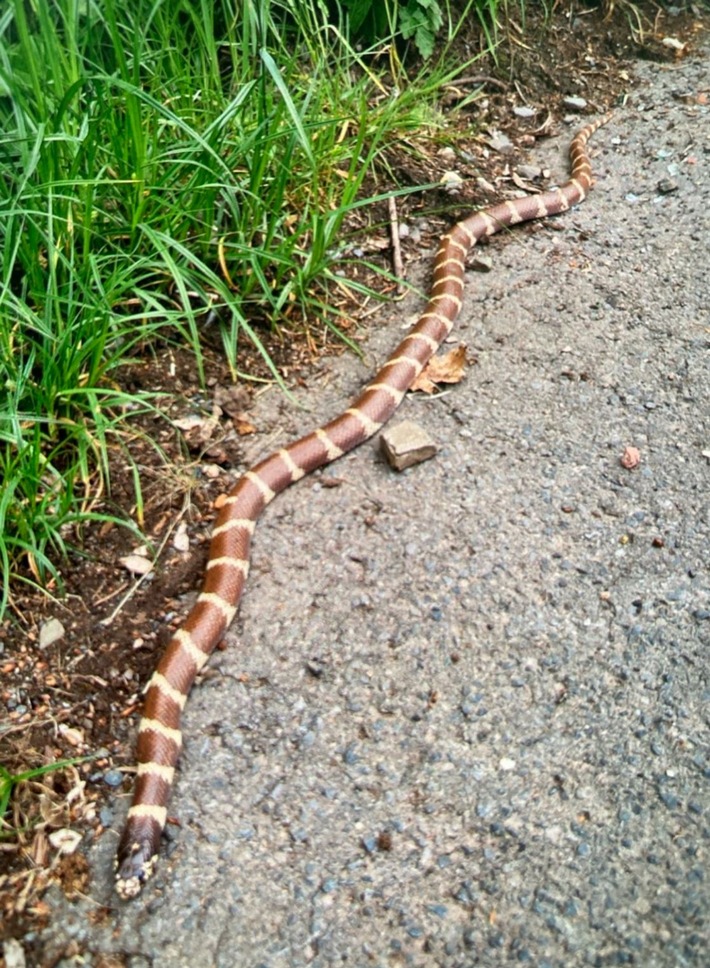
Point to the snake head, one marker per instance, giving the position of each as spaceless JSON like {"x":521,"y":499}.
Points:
{"x":133,"y":868}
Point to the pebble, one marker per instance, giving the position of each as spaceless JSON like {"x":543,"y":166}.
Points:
{"x":13,"y":953}
{"x":106,"y":816}
{"x":50,"y":632}
{"x":370,"y":844}
{"x":575,"y":103}
{"x":670,"y":800}
{"x":481,"y":263}
{"x":529,"y":172}
{"x":350,"y":755}
{"x":407,"y":444}
{"x":447,"y":153}
{"x":451,"y":182}
{"x":500,"y":142}
{"x":113,"y":778}
{"x":523,"y":111}
{"x":440,"y":910}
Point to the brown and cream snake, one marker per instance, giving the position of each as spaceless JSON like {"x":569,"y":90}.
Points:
{"x":159,"y":735}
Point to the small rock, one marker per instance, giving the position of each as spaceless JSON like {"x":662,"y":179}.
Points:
{"x":73,"y":736}
{"x":481,"y":263}
{"x":507,"y":764}
{"x":181,"y":539}
{"x":485,"y":185}
{"x":106,"y":816}
{"x":667,"y":186}
{"x":13,"y":953}
{"x":500,"y":142}
{"x":575,"y":103}
{"x":440,"y":910}
{"x":522,"y":111}
{"x":447,"y":153}
{"x":630,"y":458}
{"x":50,"y":632}
{"x":673,"y":43}
{"x":136,"y":564}
{"x":113,"y":778}
{"x":529,"y":172}
{"x":370,"y":844}
{"x":407,"y":444}
{"x":451,"y":181}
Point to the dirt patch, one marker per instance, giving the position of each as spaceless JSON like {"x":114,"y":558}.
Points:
{"x":80,"y":693}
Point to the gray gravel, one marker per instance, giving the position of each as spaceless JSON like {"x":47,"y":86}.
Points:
{"x":463,"y":715}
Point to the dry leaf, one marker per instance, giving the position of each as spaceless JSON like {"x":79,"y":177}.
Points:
{"x":446,"y":368}
{"x":65,"y":841}
{"x":630,"y":458}
{"x":181,"y":539}
{"x":243,"y":425}
{"x":232,"y":399}
{"x":198,"y":431}
{"x":187,"y":424}
{"x":73,"y":736}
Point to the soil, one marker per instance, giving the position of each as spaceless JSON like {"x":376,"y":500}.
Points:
{"x":80,"y":695}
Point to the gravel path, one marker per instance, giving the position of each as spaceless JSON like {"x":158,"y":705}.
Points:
{"x":463,"y":716}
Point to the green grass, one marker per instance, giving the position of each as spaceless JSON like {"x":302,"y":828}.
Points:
{"x":158,"y":158}
{"x":9,"y":781}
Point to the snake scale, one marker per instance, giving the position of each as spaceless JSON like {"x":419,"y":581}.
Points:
{"x":159,"y":735}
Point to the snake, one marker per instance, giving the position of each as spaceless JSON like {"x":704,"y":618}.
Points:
{"x":159,"y":735}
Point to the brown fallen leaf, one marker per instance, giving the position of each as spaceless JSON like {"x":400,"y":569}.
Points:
{"x":232,"y":399}
{"x":445,"y":368}
{"x":630,"y":458}
{"x":243,"y":425}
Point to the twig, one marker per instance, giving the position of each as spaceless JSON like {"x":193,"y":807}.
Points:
{"x":481,"y":79}
{"x":397,"y":265}
{"x":108,"y":620}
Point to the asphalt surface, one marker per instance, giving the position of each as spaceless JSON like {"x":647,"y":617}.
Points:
{"x":462,"y":718}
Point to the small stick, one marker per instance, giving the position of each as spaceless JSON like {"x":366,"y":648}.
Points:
{"x":397,"y":265}
{"x":482,"y":79}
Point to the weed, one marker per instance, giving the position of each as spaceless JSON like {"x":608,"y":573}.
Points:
{"x":161,"y":163}
{"x":9,"y":781}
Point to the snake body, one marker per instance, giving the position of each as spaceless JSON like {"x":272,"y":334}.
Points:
{"x":159,"y":735}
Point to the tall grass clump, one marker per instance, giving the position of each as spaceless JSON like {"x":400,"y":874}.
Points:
{"x":159,"y":159}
